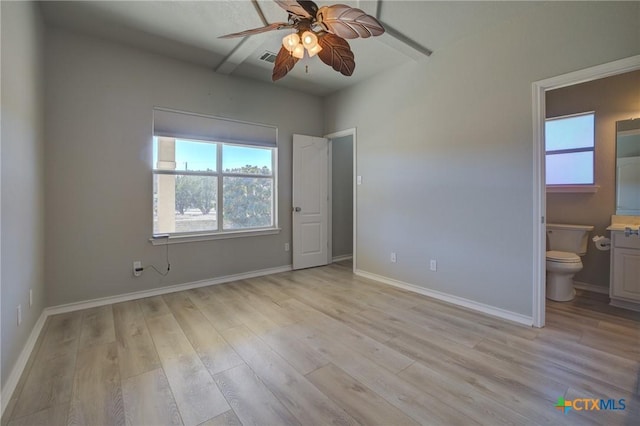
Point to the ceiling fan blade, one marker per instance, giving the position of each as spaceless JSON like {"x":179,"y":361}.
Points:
{"x":348,"y":22}
{"x":285,"y":62}
{"x":303,"y":8}
{"x":309,"y":6}
{"x":336,"y":53}
{"x":271,"y":27}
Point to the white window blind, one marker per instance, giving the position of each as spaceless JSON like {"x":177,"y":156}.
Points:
{"x":186,"y":125}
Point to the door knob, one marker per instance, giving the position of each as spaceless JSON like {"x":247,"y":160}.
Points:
{"x":297,"y":209}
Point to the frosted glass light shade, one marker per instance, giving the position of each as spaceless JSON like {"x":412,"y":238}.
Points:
{"x":298,"y":51}
{"x":291,"y":41}
{"x":314,"y":50}
{"x":309,"y":40}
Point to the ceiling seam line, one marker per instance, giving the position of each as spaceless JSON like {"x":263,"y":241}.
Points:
{"x":226,"y":58}
{"x":260,"y":13}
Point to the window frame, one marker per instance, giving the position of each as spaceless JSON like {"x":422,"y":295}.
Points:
{"x":160,"y":238}
{"x":573,"y":187}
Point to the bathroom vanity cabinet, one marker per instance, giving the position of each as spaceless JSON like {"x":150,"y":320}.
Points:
{"x":625,"y":270}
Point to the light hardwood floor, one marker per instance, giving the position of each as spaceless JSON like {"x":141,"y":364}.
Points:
{"x":322,"y":346}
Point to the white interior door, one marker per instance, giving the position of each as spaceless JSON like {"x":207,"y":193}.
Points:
{"x":310,"y":193}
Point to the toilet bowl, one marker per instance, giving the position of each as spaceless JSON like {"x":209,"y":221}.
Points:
{"x":561,"y":267}
{"x":566,"y":243}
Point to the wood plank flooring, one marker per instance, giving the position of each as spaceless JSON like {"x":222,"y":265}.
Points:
{"x":323,"y":346}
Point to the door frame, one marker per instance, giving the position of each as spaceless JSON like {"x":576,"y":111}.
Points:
{"x":539,"y":88}
{"x":348,"y":132}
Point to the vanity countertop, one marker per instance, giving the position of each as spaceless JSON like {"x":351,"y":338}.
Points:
{"x":621,"y":226}
{"x":619,"y":223}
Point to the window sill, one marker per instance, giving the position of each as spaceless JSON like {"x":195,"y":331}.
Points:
{"x":190,"y":238}
{"x":573,"y":188}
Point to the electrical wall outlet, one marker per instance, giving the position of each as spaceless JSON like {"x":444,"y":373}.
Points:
{"x":393,"y":257}
{"x":359,"y":180}
{"x":286,"y":246}
{"x":19,"y":314}
{"x":433,"y":265}
{"x":137,"y":268}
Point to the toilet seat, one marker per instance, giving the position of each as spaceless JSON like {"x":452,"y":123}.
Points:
{"x":562,"y":257}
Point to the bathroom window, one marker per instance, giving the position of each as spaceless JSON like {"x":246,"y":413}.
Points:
{"x":569,"y":142}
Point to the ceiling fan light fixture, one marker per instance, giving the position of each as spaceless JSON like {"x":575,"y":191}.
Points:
{"x":314,"y":50}
{"x":317,"y":29}
{"x":309,"y":40}
{"x":291,"y":41}
{"x":298,"y":51}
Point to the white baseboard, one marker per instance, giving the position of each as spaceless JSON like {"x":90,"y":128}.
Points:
{"x":460,"y":301}
{"x":341,"y":258}
{"x":633,"y":306}
{"x":18,"y":369}
{"x":76,"y":306}
{"x":591,"y":287}
{"x":21,"y":363}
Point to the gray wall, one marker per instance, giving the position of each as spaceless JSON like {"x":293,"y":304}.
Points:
{"x":99,"y":103}
{"x":445,"y":149}
{"x":342,"y":196}
{"x":22,"y":177}
{"x":614,"y":98}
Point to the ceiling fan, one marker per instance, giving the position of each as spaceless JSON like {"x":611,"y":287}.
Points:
{"x":320,"y":31}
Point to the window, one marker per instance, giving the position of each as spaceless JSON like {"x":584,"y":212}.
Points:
{"x":208,"y":186}
{"x":569,"y":142}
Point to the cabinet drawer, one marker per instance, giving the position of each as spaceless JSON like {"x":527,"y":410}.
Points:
{"x":619,"y":240}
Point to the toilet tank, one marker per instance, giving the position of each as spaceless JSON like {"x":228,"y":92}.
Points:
{"x":569,"y":238}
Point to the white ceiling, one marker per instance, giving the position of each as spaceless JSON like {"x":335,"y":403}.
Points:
{"x":189,"y":30}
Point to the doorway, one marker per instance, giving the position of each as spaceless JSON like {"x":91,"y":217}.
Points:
{"x":539,"y":90}
{"x":324,"y":199}
{"x":342,"y":196}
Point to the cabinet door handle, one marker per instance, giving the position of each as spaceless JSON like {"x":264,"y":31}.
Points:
{"x":629,"y":232}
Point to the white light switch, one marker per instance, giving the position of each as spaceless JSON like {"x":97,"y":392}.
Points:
{"x":433,"y":265}
{"x":359,"y":180}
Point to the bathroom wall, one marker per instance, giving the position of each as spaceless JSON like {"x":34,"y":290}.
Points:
{"x":613,"y":98}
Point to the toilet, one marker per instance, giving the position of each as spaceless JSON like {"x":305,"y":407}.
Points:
{"x":566,"y":243}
